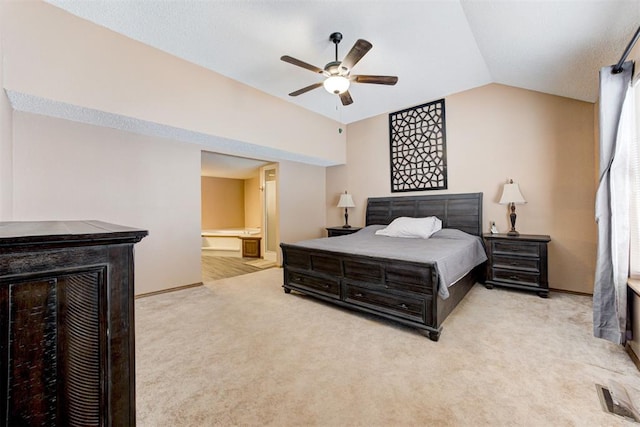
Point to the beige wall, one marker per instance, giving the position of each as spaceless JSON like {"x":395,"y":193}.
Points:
{"x":222,"y":203}
{"x":65,"y":171}
{"x":55,"y":55}
{"x":301,"y":201}
{"x":545,"y":143}
{"x":6,"y":143}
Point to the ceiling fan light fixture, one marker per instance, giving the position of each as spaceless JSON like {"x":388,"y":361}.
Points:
{"x":336,"y":84}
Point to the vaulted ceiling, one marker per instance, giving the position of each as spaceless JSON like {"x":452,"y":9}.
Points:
{"x":436,"y":48}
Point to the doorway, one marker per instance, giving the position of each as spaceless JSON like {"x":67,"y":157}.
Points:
{"x":269,"y":186}
{"x":232,"y":214}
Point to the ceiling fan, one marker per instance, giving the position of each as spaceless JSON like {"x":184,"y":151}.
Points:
{"x":338,"y":73}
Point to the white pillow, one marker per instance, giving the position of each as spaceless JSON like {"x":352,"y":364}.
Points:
{"x":417,"y":228}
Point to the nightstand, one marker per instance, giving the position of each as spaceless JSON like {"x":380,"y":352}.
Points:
{"x":341,"y":231}
{"x":517,"y":262}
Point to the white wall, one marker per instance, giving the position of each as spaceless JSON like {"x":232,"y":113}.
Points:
{"x":69,"y":171}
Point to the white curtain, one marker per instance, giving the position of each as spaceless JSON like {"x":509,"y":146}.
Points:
{"x":617,"y":134}
{"x":634,"y":216}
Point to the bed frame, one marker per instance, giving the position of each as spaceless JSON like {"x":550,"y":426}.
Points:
{"x":403,"y":291}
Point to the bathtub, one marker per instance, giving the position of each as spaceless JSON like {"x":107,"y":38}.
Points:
{"x":225,"y":242}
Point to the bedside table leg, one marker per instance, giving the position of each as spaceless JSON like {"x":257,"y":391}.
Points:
{"x":488,"y":286}
{"x":543,"y":294}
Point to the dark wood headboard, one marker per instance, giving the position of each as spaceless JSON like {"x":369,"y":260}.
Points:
{"x":461,"y":211}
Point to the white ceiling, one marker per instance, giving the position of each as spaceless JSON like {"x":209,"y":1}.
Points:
{"x":436,"y":47}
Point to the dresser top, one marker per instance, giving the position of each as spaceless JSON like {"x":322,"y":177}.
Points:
{"x":28,"y":233}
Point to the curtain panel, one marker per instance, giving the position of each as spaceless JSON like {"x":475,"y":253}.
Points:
{"x":617,"y":129}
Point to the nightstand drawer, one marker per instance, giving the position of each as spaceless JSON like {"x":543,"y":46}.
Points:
{"x":530,"y":249}
{"x":515,"y":263}
{"x":515,"y":277}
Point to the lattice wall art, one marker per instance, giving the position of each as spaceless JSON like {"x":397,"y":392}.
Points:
{"x":418,"y":148}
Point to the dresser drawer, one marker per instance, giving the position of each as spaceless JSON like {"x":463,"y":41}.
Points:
{"x":515,"y":277}
{"x":328,"y":287}
{"x":530,"y":249}
{"x":399,"y":305}
{"x":516,"y":263}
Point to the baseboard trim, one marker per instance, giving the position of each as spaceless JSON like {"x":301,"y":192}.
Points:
{"x":164,"y":291}
{"x":565,"y":291}
{"x":632,"y":354}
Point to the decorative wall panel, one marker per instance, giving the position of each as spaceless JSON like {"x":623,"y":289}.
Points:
{"x":418,"y":148}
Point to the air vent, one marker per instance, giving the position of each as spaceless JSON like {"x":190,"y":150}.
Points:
{"x":617,"y":402}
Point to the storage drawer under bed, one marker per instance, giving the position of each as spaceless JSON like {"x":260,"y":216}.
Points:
{"x":405,"y":306}
{"x":325,"y":286}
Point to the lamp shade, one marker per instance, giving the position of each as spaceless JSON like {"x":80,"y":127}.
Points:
{"x":336,"y":84}
{"x":511,"y":194}
{"x":346,"y":201}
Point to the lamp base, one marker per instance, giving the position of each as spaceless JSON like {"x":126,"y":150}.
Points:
{"x":346,"y":226}
{"x":513,"y":233}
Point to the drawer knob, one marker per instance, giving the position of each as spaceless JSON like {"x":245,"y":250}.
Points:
{"x":358,"y":294}
{"x":325,"y":286}
{"x":514,"y":263}
{"x":513,"y":277}
{"x":403,"y":306}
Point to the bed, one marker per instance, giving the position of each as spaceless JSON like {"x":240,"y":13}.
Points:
{"x":400,"y":286}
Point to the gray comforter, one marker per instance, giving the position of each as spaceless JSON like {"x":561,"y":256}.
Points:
{"x":454,"y":252}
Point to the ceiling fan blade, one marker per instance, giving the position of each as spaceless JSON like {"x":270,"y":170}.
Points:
{"x":294,"y":61}
{"x":356,"y":53}
{"x":378,"y":80}
{"x":306,"y":89}
{"x":345,"y":97}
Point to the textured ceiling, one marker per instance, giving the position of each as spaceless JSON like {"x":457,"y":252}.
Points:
{"x":436,"y":48}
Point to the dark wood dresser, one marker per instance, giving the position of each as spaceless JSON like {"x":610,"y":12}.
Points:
{"x":67,"y":324}
{"x":518,"y":262}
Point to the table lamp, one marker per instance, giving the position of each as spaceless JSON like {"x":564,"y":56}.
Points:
{"x":346,"y":202}
{"x":512,"y":196}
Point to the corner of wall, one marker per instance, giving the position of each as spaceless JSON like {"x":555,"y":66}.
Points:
{"x":6,"y":139}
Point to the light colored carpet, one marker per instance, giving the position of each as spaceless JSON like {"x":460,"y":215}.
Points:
{"x":240,"y":351}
